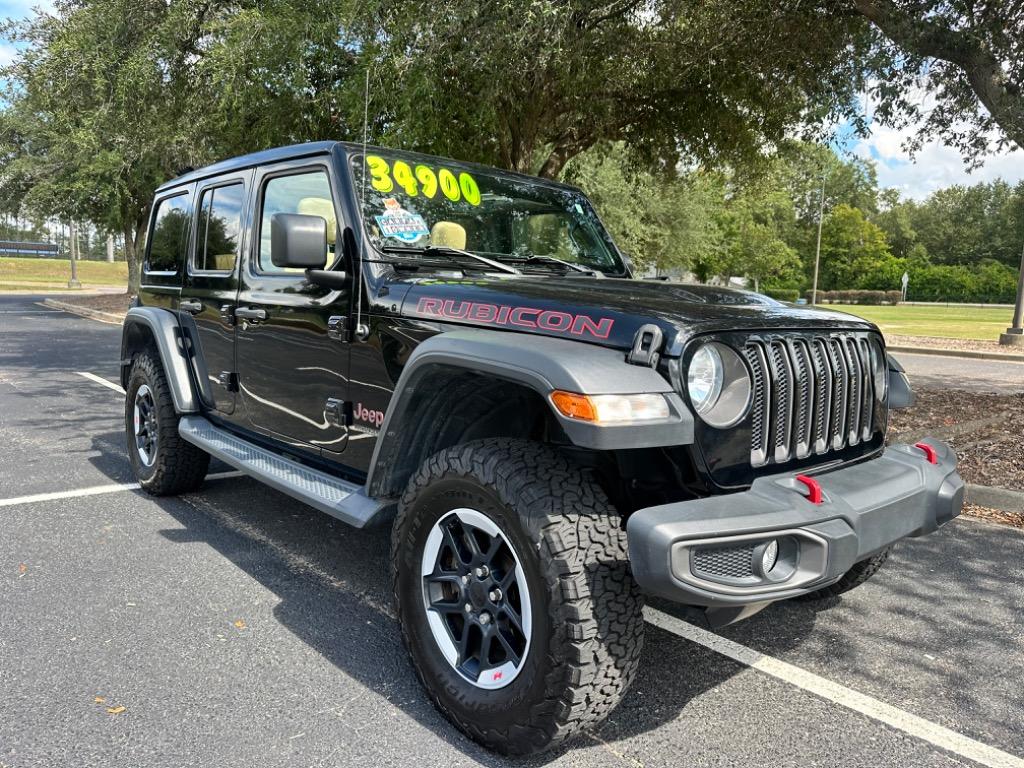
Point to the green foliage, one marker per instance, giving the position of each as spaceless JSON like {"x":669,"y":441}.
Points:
{"x":960,"y":225}
{"x":528,"y":85}
{"x":662,"y":221}
{"x":857,"y":297}
{"x":782,"y":294}
{"x":987,"y":283}
{"x":854,"y":253}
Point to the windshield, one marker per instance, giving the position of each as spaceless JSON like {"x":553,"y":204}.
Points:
{"x":413,"y":204}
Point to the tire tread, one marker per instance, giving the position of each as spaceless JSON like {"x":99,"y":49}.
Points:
{"x":595,"y":606}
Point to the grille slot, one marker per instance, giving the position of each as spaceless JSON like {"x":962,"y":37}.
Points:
{"x":724,"y":562}
{"x":812,"y":394}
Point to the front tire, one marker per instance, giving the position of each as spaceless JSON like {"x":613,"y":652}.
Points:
{"x":163,"y":463}
{"x":507,"y":537}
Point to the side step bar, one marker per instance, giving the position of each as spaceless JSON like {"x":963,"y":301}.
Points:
{"x":346,"y":501}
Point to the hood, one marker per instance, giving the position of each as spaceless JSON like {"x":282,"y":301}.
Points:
{"x":609,"y":311}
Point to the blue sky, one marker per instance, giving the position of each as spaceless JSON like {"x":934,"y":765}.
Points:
{"x":935,"y":166}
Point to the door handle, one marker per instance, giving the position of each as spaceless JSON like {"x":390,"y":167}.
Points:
{"x":191,"y":306}
{"x":251,"y":313}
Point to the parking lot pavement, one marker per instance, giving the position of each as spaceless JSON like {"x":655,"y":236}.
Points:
{"x":944,"y":371}
{"x":237,"y":627}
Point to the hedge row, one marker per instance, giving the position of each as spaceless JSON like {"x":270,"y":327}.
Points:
{"x":857,"y":297}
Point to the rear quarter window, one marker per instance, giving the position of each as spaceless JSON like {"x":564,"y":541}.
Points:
{"x":169,"y":238}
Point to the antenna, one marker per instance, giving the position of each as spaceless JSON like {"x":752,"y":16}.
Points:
{"x":361,"y":332}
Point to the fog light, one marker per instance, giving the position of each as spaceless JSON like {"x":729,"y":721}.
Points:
{"x":770,"y":556}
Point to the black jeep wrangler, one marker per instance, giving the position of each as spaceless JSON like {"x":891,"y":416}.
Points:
{"x":465,"y":352}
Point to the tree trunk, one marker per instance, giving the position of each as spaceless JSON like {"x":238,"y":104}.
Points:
{"x":131,"y":256}
{"x":110,"y":248}
{"x":560,"y":155}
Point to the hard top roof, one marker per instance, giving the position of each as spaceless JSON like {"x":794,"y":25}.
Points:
{"x":293,"y":151}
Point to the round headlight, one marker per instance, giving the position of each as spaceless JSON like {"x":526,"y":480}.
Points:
{"x":718,"y":383}
{"x":704,"y":378}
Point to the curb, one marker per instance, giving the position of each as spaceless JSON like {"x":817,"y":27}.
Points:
{"x":92,"y":314}
{"x":956,"y":353}
{"x":1002,"y":499}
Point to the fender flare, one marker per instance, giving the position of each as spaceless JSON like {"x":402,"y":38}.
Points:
{"x":543,"y":364}
{"x":169,"y":340}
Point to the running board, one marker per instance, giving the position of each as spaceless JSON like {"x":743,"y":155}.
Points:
{"x":346,"y":501}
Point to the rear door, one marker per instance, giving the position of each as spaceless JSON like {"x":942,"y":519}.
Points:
{"x":293,"y":375}
{"x":211,"y":286}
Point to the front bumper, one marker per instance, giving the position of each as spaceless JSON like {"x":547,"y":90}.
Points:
{"x":706,"y":552}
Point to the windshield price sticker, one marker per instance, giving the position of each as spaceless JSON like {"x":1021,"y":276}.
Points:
{"x":401,"y":224}
{"x":422,"y":179}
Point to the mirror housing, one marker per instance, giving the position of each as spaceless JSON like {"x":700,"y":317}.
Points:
{"x":298,"y":241}
{"x":335,"y":279}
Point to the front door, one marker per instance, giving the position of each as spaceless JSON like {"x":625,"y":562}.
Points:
{"x":211,"y":285}
{"x":292,"y":376}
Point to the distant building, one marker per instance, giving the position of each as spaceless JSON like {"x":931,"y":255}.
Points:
{"x":23,"y":248}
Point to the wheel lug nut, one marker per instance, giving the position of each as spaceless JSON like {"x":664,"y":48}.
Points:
{"x":469,"y":608}
{"x":481,"y":572}
{"x":485,"y":618}
{"x":494,"y":595}
{"x":465,"y":579}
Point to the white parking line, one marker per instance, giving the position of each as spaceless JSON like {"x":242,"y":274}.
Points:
{"x":101,"y":381}
{"x":915,"y":726}
{"x":95,"y":490}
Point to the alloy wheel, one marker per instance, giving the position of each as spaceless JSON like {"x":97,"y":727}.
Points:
{"x":476,"y":597}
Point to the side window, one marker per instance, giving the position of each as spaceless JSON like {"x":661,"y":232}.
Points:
{"x":220,"y":228}
{"x":308,"y":193}
{"x":170,"y":234}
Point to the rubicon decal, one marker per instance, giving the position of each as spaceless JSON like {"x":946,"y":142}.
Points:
{"x":517,"y":317}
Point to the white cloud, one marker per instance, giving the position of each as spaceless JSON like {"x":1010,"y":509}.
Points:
{"x":7,"y":53}
{"x":933,"y":167}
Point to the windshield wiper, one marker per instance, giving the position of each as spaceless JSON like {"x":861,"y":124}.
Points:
{"x":535,"y":259}
{"x":452,"y":254}
{"x":555,"y":260}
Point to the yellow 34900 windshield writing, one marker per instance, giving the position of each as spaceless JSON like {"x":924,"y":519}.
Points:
{"x":421,"y":179}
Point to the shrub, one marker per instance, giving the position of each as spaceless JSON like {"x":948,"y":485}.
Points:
{"x":782,"y":294}
{"x":857,"y":297}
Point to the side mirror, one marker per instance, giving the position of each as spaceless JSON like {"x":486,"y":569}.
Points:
{"x":298,"y":241}
{"x":335,"y":279}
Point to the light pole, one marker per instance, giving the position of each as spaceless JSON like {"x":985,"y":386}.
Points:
{"x":1014,"y":335}
{"x":817,"y":250}
{"x":73,"y":251}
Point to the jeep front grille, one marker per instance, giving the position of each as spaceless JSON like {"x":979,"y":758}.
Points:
{"x":811,"y":394}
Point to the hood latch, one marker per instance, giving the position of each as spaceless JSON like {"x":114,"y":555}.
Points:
{"x":646,"y":346}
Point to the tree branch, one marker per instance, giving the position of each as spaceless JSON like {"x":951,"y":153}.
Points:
{"x":930,"y":39}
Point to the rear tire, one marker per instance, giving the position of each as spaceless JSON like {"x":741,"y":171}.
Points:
{"x":854,"y":577}
{"x":163,"y":463}
{"x":585,"y":632}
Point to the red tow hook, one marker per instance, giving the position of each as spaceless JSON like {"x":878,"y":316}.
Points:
{"x":814,"y":494}
{"x":929,"y":452}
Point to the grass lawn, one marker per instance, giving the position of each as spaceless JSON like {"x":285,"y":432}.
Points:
{"x":940,"y":321}
{"x":58,"y":272}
